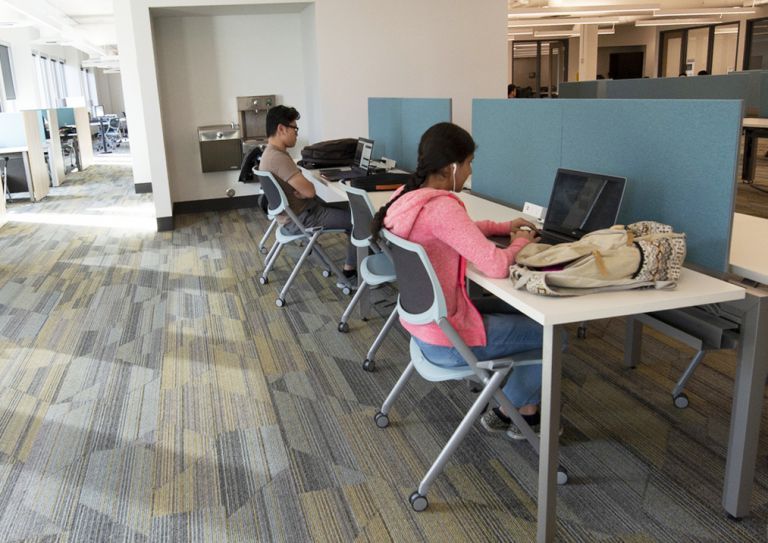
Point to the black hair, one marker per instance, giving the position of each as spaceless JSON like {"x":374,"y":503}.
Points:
{"x":441,"y":145}
{"x":278,"y":115}
{"x":703,"y":72}
{"x":510,"y":88}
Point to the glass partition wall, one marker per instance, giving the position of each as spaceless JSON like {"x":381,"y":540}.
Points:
{"x":538,"y":67}
{"x":756,"y":49}
{"x":690,"y":51}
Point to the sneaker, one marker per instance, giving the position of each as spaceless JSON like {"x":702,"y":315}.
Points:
{"x":534,"y":421}
{"x":350,"y":280}
{"x":495,"y":421}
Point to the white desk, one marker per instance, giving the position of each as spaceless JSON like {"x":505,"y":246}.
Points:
{"x":747,"y":258}
{"x":552,"y":313}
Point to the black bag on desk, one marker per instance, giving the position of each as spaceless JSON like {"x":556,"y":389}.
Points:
{"x":329,"y":154}
{"x":380,"y":181}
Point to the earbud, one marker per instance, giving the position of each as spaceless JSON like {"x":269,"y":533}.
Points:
{"x":454,"y":166}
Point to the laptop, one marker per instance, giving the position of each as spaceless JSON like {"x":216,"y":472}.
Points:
{"x":361,"y":165}
{"x":580,"y":202}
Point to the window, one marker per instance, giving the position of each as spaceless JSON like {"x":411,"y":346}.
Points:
{"x":50,"y":80}
{"x":7,"y":88}
{"x":538,"y":67}
{"x":756,"y":48}
{"x":710,"y":48}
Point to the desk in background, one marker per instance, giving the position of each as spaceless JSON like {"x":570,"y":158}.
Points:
{"x":754,"y":129}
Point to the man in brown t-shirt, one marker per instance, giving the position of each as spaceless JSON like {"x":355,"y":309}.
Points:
{"x":282,"y":133}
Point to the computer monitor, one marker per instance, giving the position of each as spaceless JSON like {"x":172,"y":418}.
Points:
{"x":583,"y":202}
{"x":98,"y":111}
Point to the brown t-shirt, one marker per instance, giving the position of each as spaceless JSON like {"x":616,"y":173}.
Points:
{"x":281,"y":165}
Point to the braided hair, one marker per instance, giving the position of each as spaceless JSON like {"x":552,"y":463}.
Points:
{"x":441,"y":145}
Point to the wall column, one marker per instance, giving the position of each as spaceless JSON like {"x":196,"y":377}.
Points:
{"x":587,"y":52}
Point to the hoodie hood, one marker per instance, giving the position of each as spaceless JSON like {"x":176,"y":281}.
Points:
{"x":402,"y":215}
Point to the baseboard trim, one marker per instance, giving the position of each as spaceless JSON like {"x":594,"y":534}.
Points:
{"x":164,"y":224}
{"x":216,"y":204}
{"x":142,"y":188}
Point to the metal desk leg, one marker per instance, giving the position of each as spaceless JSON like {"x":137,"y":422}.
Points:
{"x":550,"y":424}
{"x":748,"y":388}
{"x":749,"y":160}
{"x":633,"y":342}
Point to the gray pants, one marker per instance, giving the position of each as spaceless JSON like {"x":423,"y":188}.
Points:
{"x":335,"y":216}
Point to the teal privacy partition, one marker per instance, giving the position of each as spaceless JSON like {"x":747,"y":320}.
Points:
{"x":679,"y":158}
{"x":12,"y":130}
{"x":750,"y":86}
{"x":396,"y":125}
{"x":66,"y":116}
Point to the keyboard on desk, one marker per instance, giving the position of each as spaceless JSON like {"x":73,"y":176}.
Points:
{"x":337,"y":174}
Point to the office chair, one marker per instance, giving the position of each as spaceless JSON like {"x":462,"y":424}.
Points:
{"x":375,"y":269}
{"x":278,"y":204}
{"x":421,"y":301}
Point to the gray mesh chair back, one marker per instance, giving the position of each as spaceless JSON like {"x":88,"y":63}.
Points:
{"x":276,"y":199}
{"x":421,"y":299}
{"x":362,"y":214}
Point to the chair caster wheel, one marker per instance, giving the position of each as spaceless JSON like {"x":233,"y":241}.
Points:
{"x":418,"y":502}
{"x":381,"y":420}
{"x":263,"y":250}
{"x":263,"y":280}
{"x":369,"y":365}
{"x":562,"y":476}
{"x":347,"y":291}
{"x":581,"y":333}
{"x":343,"y":327}
{"x":326,"y":273}
{"x":681,"y":400}
{"x":280,"y":302}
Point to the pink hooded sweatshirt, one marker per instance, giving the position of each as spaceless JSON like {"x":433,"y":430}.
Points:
{"x":437,"y":220}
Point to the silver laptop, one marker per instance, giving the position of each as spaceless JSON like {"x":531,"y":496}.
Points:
{"x":580,"y":202}
{"x":360,"y":167}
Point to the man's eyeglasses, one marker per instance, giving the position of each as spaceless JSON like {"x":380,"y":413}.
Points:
{"x":296,"y":128}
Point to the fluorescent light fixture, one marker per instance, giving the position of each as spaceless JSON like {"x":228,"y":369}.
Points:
{"x":692,"y":12}
{"x":564,"y":22}
{"x":519,"y":13}
{"x":675,"y":22}
{"x":555,"y":34}
{"x":521,"y":32}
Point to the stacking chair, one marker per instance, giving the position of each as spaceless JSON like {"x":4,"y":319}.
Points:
{"x":375,"y":269}
{"x":421,"y":301}
{"x":278,"y":203}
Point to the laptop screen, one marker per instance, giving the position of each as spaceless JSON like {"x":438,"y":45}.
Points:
{"x":583,"y":202}
{"x":363,"y":153}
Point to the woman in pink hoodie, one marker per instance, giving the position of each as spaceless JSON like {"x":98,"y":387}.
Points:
{"x":428,"y":212}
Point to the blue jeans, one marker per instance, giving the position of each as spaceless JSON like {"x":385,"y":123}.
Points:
{"x":507,"y":333}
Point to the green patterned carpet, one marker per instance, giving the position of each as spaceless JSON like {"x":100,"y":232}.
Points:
{"x":150,"y":390}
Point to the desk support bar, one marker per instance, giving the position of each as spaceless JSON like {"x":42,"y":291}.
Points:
{"x":749,"y":385}
{"x":551,"y":371}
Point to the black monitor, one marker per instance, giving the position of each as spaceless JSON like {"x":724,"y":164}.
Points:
{"x":582,"y":202}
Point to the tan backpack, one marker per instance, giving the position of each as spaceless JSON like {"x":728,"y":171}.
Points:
{"x":642,"y":255}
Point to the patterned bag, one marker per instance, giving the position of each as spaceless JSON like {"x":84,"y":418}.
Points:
{"x":643,"y":255}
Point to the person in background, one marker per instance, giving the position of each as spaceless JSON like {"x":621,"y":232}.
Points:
{"x":511,"y":91}
{"x":427,"y":211}
{"x":600,"y":76}
{"x":703,"y":72}
{"x":282,"y":133}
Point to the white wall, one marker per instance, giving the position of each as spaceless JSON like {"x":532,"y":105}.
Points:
{"x":203,"y":64}
{"x":429,"y":48}
{"x":424,"y":48}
